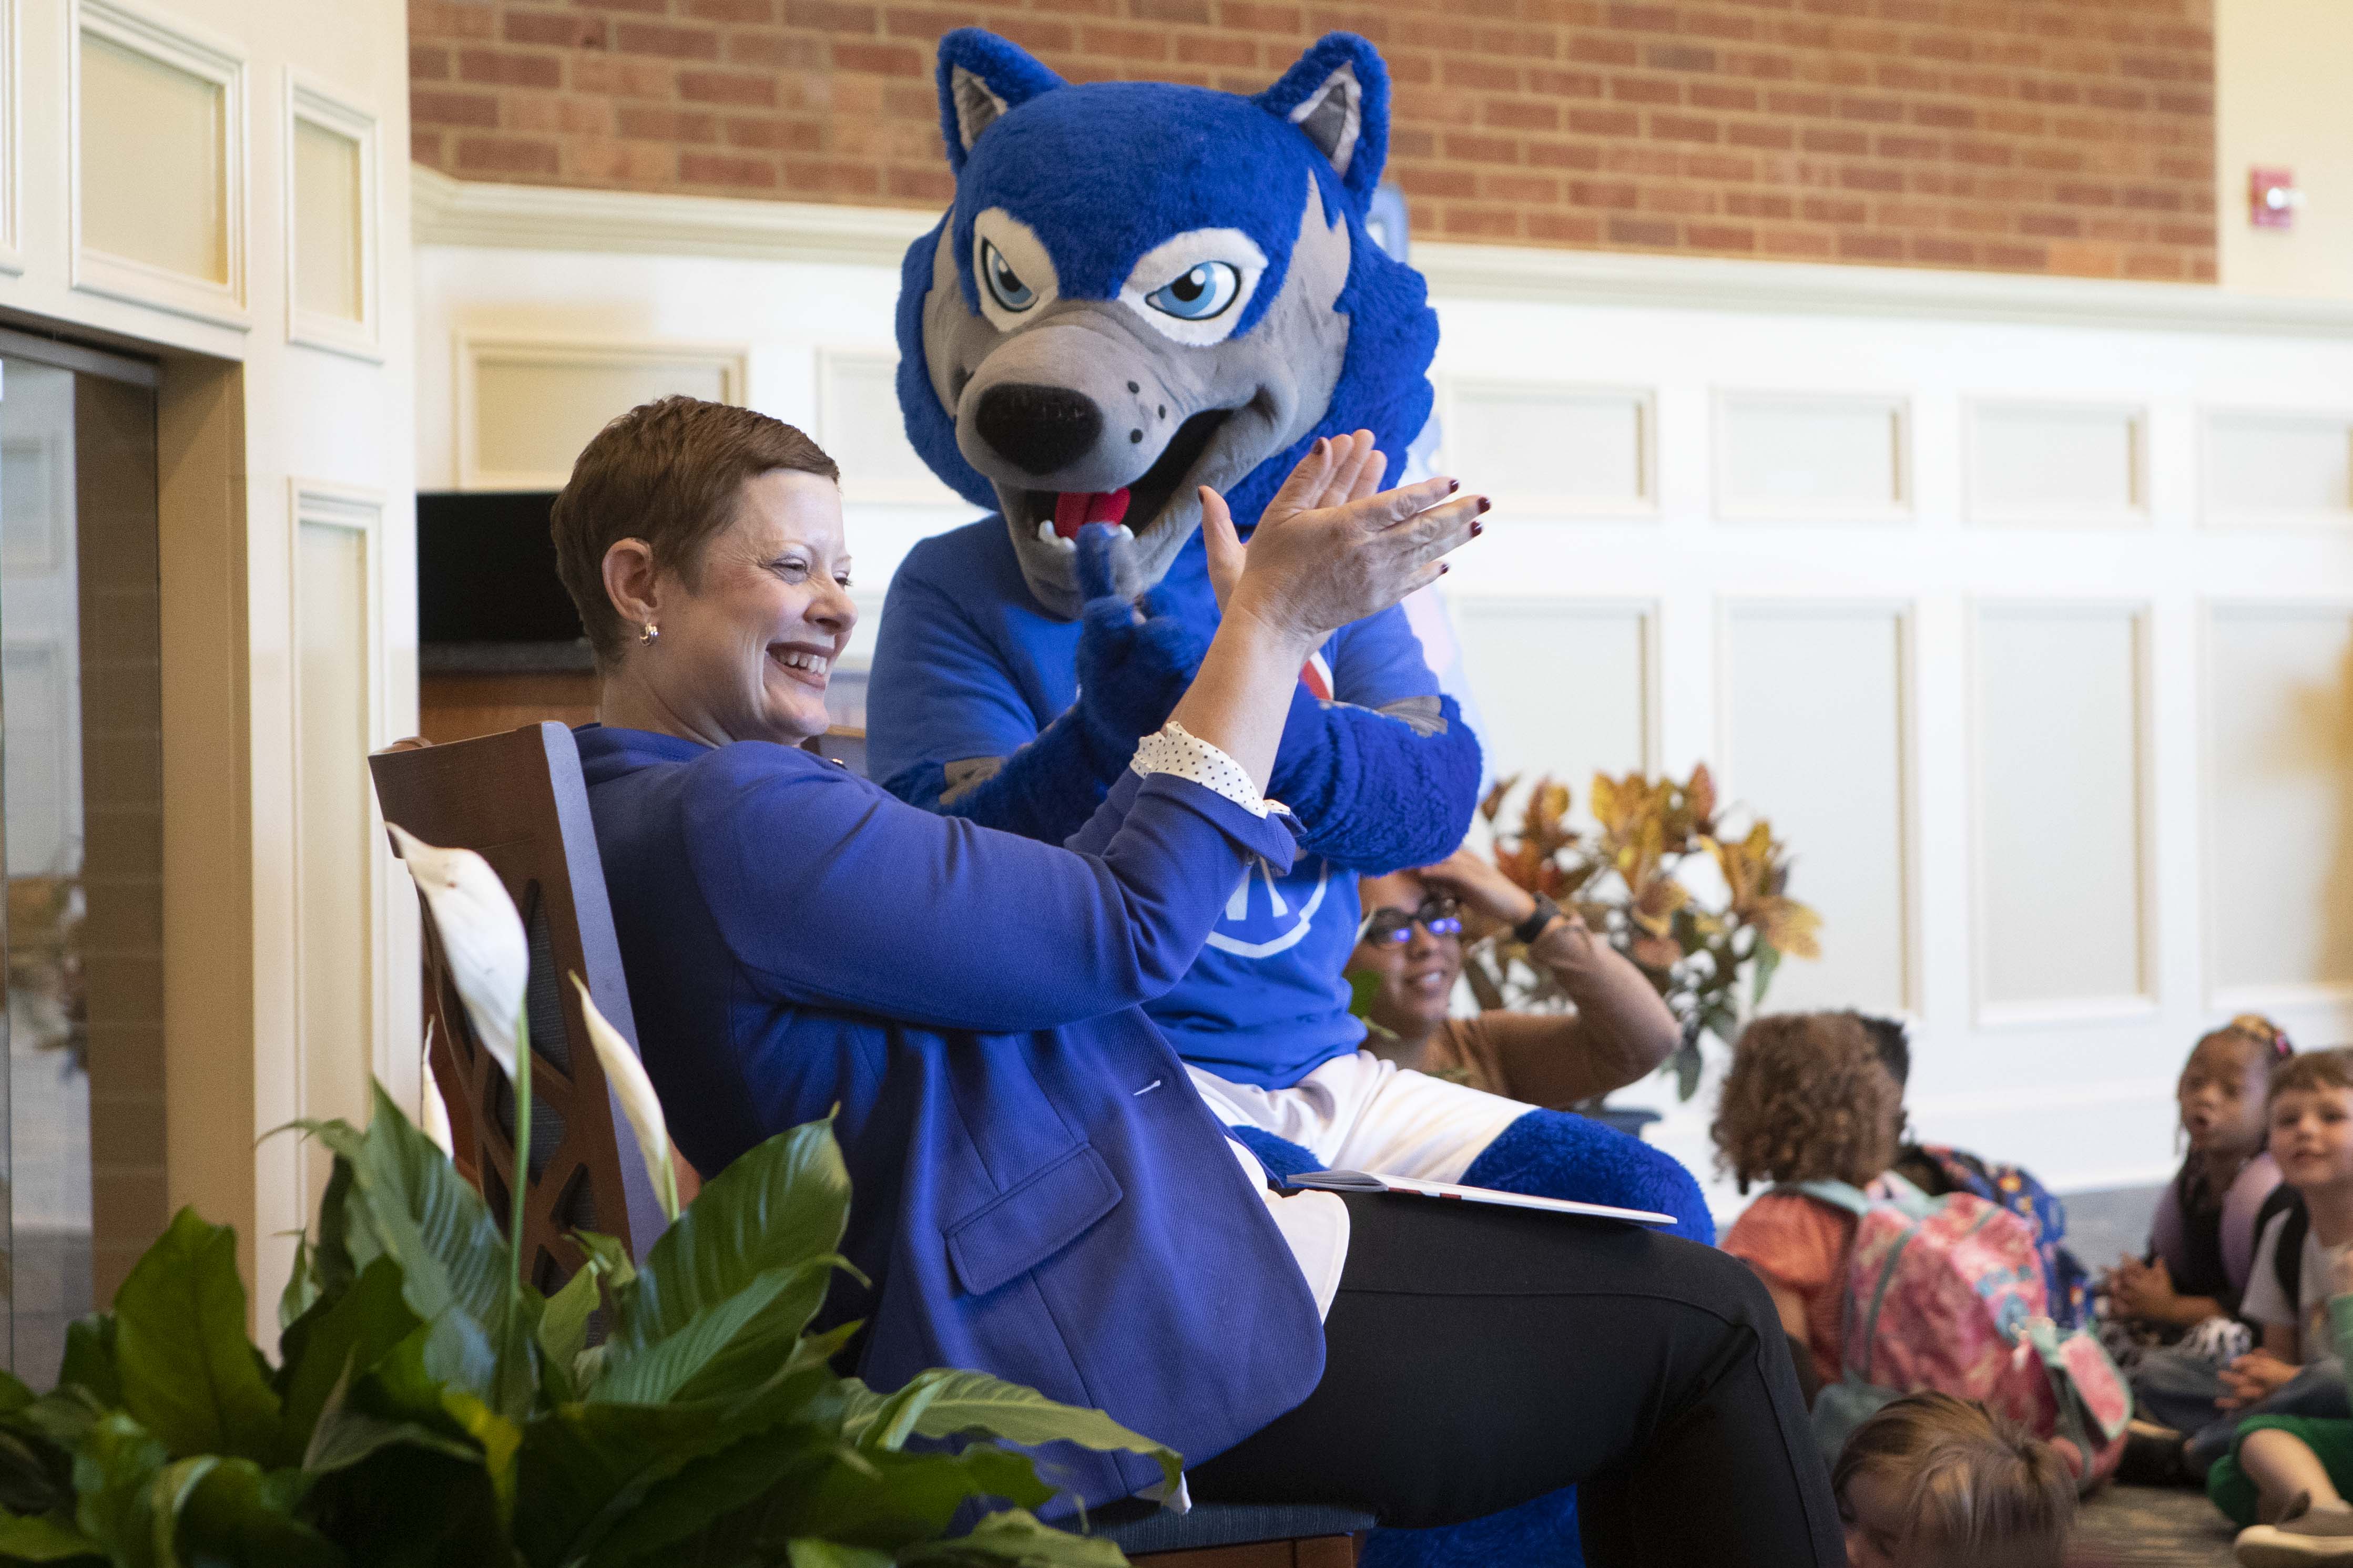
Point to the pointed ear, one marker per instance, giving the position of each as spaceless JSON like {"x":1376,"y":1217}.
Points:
{"x":1338,"y":96}
{"x":981,"y":76}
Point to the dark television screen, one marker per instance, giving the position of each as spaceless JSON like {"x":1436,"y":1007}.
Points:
{"x":486,"y":569}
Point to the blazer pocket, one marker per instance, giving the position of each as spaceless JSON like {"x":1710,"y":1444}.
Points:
{"x":1018,"y":1230}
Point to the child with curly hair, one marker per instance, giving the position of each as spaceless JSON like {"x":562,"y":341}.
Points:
{"x":1808,"y":1100}
{"x":1933,"y":1481}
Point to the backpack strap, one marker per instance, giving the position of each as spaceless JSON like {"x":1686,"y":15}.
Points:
{"x":2287,"y":1252}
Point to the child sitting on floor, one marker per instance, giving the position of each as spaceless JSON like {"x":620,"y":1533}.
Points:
{"x":2287,"y":1476}
{"x":2296,"y":1371}
{"x":1806,"y":1100}
{"x":1933,"y":1481}
{"x":2173,"y":1319}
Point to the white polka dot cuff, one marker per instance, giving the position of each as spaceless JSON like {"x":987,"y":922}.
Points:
{"x":1174,"y":749}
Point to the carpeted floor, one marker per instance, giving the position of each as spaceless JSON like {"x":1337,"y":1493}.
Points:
{"x":2137,"y":1527}
{"x":2149,"y":1527}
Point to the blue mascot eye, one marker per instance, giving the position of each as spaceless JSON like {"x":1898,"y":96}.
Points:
{"x":1005,"y":285}
{"x":1199,"y":294}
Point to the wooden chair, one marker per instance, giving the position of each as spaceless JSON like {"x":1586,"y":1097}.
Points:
{"x":517,"y":800}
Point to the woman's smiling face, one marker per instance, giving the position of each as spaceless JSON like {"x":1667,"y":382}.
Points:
{"x":749,"y":638}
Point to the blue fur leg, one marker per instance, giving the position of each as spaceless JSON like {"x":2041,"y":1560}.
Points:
{"x":1554,"y":1155}
{"x":1542,"y":1531}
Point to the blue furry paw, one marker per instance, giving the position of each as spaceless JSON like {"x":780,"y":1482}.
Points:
{"x":1557,"y":1154}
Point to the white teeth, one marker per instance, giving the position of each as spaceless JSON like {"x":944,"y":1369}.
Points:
{"x":1122,"y":532}
{"x":816,"y":662}
{"x":1047,"y":536}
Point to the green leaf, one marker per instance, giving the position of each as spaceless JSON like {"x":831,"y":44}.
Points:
{"x":1015,"y":1536}
{"x":346,"y":1437}
{"x":588,"y":1468}
{"x":1768,"y":959}
{"x":406,"y":1201}
{"x":112,"y":1466}
{"x":563,"y":1326}
{"x":301,"y":1290}
{"x":44,"y":1538}
{"x":755,"y":1329}
{"x":704,"y":1496}
{"x":32,"y":1481}
{"x":781,"y":1208}
{"x":167,"y":1493}
{"x":189,"y":1371}
{"x":89,"y":1359}
{"x":236,"y":1515}
{"x":970,"y":1404}
{"x":344,"y":1341}
{"x":500,"y":1440}
{"x":828,"y":1554}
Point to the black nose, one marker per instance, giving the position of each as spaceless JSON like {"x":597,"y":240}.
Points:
{"x":1038,"y":428}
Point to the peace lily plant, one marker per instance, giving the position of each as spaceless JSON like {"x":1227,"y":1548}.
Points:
{"x":427,"y":1406}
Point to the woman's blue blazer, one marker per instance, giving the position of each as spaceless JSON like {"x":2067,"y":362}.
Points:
{"x":1038,"y":1191}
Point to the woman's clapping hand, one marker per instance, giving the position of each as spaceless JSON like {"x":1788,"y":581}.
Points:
{"x":1332,"y":548}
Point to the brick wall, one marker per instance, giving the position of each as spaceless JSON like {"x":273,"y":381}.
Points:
{"x":2071,"y":136}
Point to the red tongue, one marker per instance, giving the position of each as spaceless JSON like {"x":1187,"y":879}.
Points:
{"x":1074,"y":509}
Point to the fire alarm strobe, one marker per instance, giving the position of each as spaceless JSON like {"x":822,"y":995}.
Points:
{"x":2272,"y":198}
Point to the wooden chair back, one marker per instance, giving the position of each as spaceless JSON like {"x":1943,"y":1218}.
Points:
{"x":519,"y":801}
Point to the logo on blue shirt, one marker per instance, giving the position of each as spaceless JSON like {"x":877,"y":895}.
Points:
{"x":1255,"y":927}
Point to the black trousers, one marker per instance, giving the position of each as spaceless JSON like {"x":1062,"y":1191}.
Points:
{"x":1478,"y":1357}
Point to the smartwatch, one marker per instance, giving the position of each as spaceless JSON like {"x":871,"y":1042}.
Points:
{"x":1528,"y":930}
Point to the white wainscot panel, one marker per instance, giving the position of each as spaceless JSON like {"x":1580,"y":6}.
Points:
{"x":1565,"y":688}
{"x":335,"y":840}
{"x":527,"y":405}
{"x":2279,"y":748}
{"x":1543,"y":449}
{"x":1808,"y":457}
{"x":331,"y":231}
{"x":1815,"y":740}
{"x":861,"y":428}
{"x":157,"y":162}
{"x":2277,"y":469}
{"x":2059,"y":464}
{"x":2062,"y":847}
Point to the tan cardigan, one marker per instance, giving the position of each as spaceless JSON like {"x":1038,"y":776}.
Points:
{"x":1621,"y":1030}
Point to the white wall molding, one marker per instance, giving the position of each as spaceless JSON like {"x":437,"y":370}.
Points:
{"x":551,"y":217}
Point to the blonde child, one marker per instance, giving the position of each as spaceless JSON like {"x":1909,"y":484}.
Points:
{"x":1806,"y":1100}
{"x":1932,"y":1481}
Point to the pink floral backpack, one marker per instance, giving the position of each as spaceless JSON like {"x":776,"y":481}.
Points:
{"x":1948,"y":1294}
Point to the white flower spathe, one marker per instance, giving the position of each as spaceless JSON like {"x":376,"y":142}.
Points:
{"x":635,"y":1090}
{"x":481,"y":937}
{"x":432,"y":1113}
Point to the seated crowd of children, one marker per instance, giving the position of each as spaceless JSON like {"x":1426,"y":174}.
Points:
{"x":2231,"y":1331}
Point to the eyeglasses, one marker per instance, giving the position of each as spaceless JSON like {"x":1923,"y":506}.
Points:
{"x":1385,"y":928}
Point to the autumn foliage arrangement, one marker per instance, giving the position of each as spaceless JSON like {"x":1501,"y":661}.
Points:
{"x":1640,"y":878}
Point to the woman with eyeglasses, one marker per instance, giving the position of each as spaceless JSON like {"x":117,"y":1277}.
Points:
{"x":1412,"y":946}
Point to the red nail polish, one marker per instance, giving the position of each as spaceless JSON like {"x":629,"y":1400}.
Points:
{"x":1453,"y":485}
{"x":1443,"y":568}
{"x":1477,"y":528}
{"x":1484,"y":504}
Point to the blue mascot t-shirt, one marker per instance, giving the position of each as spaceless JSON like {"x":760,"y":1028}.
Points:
{"x":968,"y":666}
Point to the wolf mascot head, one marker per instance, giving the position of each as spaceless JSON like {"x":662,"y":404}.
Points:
{"x":1142,"y":288}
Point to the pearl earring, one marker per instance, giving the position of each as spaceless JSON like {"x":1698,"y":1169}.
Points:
{"x":648,"y":632}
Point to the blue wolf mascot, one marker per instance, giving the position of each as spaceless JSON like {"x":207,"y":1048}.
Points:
{"x":1141,"y":288}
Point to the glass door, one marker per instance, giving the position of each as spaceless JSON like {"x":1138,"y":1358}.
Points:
{"x":81,"y":834}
